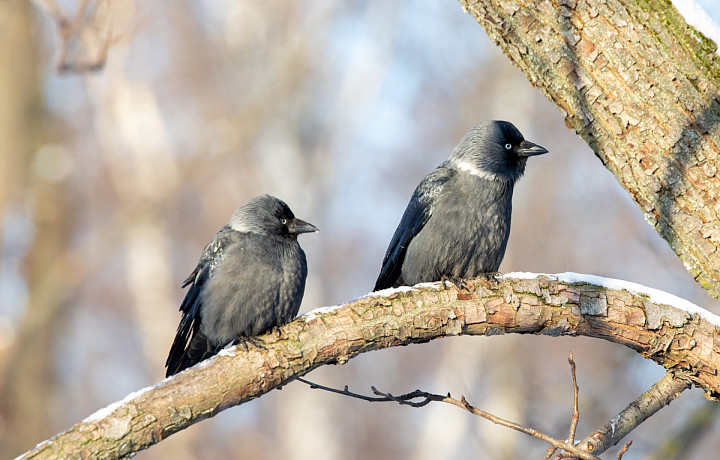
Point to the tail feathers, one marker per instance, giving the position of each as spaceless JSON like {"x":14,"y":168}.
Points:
{"x":197,"y":350}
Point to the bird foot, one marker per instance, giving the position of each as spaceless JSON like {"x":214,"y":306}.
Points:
{"x":461,"y":284}
{"x":244,"y":341}
{"x":493,"y":278}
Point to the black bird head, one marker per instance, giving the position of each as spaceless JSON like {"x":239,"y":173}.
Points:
{"x":494,"y":150}
{"x":268,"y":215}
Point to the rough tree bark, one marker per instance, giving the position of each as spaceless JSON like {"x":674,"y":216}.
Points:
{"x":643,"y":89}
{"x":687,"y":344}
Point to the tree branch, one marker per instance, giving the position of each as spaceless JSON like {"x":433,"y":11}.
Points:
{"x":662,"y":393}
{"x":624,"y":449}
{"x":551,"y":305}
{"x":82,"y":44}
{"x":641,"y":87}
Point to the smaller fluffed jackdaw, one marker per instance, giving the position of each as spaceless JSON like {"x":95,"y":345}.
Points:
{"x":457,"y":223}
{"x":250,"y":279}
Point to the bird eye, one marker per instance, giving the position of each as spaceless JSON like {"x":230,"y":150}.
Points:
{"x":508,"y":146}
{"x":283,"y":221}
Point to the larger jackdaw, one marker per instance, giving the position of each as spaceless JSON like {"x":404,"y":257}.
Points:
{"x":457,"y":223}
{"x":250,"y":278}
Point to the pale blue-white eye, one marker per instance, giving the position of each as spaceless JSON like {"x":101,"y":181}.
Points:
{"x":508,"y":146}
{"x":283,"y":221}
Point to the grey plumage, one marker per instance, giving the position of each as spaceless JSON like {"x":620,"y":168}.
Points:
{"x":457,"y":223}
{"x":250,"y":278}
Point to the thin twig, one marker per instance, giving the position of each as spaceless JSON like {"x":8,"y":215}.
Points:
{"x":624,"y":449}
{"x":576,"y":412}
{"x":407,"y":400}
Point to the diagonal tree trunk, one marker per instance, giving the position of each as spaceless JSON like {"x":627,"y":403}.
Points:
{"x":642,"y":88}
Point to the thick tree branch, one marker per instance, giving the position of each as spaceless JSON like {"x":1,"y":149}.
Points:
{"x":674,"y":338}
{"x":643,"y":89}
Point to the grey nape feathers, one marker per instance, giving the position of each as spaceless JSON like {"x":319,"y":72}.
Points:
{"x":250,"y":278}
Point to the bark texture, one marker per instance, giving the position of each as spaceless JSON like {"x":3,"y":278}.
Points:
{"x":675,"y":339}
{"x":642,"y":88}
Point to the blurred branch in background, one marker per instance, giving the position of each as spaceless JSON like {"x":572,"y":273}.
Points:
{"x":83,"y":39}
{"x":679,"y":446}
{"x":38,"y":252}
{"x":545,"y":305}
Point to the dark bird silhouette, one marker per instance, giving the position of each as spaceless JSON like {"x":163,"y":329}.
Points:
{"x":457,"y":223}
{"x":250,"y":278}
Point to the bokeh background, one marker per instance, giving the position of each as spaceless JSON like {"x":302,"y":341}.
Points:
{"x":111,"y":183}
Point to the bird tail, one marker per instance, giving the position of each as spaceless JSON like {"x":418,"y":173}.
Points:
{"x":197,"y":350}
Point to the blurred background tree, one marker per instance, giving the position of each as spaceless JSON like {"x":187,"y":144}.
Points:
{"x":112,"y":182}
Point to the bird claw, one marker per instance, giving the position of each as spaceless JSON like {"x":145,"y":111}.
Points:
{"x":463,"y":285}
{"x":492,"y":277}
{"x":244,"y":341}
{"x":460,"y":284}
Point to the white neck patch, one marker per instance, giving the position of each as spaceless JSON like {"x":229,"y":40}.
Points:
{"x":475,"y":171}
{"x":243,"y":223}
{"x":243,"y":228}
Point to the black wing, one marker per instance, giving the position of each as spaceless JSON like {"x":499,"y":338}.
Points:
{"x":413,"y":220}
{"x":190,"y":345}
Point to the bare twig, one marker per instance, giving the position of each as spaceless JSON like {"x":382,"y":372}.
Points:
{"x":406,"y":398}
{"x":662,"y":393}
{"x":576,"y":412}
{"x":624,"y":449}
{"x":425,"y":398}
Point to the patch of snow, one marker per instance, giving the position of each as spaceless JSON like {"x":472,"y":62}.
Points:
{"x":104,"y":412}
{"x":697,"y":17}
{"x":312,"y":314}
{"x":613,"y":423}
{"x":229,"y":350}
{"x":403,"y":289}
{"x":655,"y":295}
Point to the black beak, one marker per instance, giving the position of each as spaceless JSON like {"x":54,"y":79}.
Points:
{"x":528,"y":149}
{"x":300,"y":226}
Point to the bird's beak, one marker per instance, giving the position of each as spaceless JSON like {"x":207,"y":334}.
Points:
{"x":528,"y":149}
{"x":300,"y":226}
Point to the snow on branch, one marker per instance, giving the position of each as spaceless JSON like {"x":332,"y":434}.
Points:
{"x":665,"y":329}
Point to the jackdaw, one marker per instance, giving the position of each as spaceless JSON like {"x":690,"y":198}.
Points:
{"x":250,"y":278}
{"x":457,"y":223}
